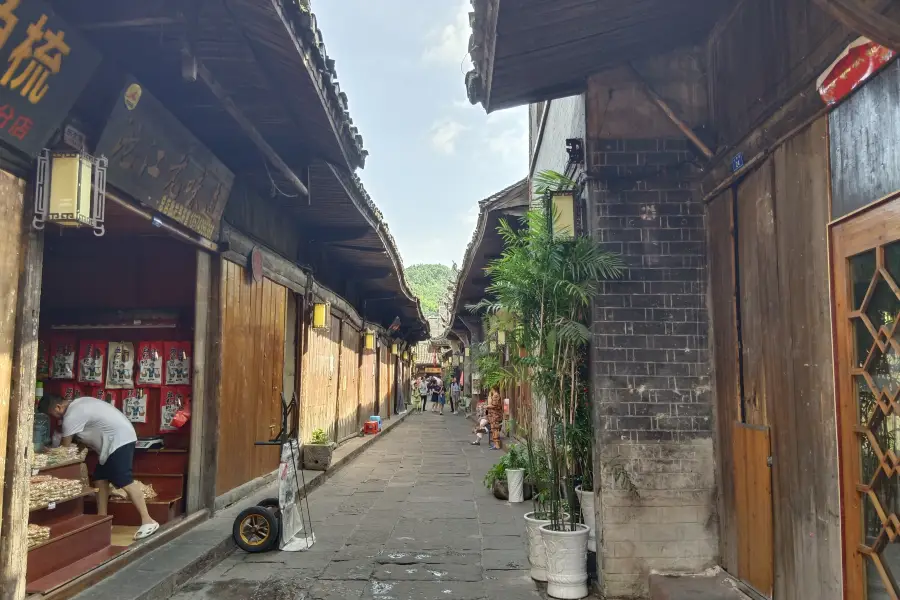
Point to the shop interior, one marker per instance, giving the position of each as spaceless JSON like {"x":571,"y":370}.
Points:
{"x":116,"y":323}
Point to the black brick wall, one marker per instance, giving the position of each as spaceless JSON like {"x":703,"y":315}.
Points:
{"x":650,"y":367}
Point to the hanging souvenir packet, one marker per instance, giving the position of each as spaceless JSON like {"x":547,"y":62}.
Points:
{"x":120,"y":374}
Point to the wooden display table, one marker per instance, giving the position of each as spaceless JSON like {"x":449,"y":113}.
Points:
{"x":78,"y":542}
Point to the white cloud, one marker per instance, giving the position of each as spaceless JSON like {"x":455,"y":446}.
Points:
{"x":450,"y":43}
{"x":444,"y":135}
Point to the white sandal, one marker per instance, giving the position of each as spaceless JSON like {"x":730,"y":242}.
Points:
{"x":146,"y":531}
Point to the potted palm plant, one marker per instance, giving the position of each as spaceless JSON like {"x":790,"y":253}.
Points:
{"x":547,"y":282}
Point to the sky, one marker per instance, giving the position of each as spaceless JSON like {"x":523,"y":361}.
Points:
{"x":432,"y":155}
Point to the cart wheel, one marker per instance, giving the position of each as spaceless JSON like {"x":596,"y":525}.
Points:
{"x":272,"y":504}
{"x":256,"y":529}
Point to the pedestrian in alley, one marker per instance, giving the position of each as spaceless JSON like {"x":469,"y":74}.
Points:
{"x":423,"y":392}
{"x":480,"y":430}
{"x":454,"y":397}
{"x":434,"y":388}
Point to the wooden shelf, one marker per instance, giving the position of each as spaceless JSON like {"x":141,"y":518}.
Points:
{"x":72,"y":571}
{"x":65,"y":463}
{"x":87,"y":491}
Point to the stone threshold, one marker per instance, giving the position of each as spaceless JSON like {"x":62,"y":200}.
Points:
{"x":193,"y":546}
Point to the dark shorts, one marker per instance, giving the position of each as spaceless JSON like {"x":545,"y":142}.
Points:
{"x":117,"y":469}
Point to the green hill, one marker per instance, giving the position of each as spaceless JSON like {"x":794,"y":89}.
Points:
{"x":429,"y":283}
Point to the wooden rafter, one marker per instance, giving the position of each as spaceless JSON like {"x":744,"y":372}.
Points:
{"x":864,"y":20}
{"x":244,"y":123}
{"x":683,"y":127}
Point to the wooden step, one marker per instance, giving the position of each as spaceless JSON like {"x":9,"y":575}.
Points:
{"x":164,"y":484}
{"x":69,"y":541}
{"x":72,"y":571}
{"x":162,"y":509}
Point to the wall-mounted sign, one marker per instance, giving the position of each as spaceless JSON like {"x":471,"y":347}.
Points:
{"x":737,"y":162}
{"x":433,"y":370}
{"x":256,"y":265}
{"x":153,"y":157}
{"x":44,"y":65}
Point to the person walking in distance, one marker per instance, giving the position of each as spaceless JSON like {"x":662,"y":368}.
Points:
{"x":423,"y":392}
{"x":454,"y":397}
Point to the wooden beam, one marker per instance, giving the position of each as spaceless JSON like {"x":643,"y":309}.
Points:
{"x":337,"y":234}
{"x":359,"y":248}
{"x":864,"y":20}
{"x":248,"y":127}
{"x":133,"y":23}
{"x":19,"y":444}
{"x":663,"y":106}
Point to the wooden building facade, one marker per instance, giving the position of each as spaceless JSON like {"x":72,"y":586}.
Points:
{"x":231,"y":211}
{"x":742,"y":157}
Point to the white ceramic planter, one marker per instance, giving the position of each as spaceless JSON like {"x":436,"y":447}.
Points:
{"x":537,"y":555}
{"x":516,"y":480}
{"x":586,"y":500}
{"x":566,"y":562}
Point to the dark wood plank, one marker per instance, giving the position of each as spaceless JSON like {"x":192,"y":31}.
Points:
{"x":805,"y":471}
{"x":723,"y":333}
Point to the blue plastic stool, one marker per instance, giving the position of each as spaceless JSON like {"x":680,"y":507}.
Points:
{"x":377,"y":419}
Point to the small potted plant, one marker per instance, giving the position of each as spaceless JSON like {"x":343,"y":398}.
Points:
{"x":317,"y":454}
{"x":497,"y":477}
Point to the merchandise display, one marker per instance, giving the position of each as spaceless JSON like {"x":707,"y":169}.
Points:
{"x":62,"y":357}
{"x":150,"y":363}
{"x":37,"y":534}
{"x":174,"y":403}
{"x":178,"y":363}
{"x":46,"y":489}
{"x":120,"y":374}
{"x":134,"y":405}
{"x":56,"y":456}
{"x":91,"y":361}
{"x":117,"y":494}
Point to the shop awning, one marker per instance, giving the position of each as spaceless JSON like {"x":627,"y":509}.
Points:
{"x":268,"y":63}
{"x":527,"y":51}
{"x":509,"y":204}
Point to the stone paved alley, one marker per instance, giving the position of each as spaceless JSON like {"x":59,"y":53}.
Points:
{"x":407,"y":520}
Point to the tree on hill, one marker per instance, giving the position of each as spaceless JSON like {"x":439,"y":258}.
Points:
{"x":429,"y":283}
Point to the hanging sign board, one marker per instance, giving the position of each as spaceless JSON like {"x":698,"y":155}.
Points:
{"x":154,"y":158}
{"x":44,"y":65}
{"x":433,"y":370}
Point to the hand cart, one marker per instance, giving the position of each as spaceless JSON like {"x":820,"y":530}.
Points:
{"x":259,"y":528}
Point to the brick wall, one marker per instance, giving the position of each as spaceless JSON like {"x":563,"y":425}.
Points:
{"x":650,"y":370}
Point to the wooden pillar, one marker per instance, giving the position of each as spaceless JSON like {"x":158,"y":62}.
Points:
{"x":26,"y":246}
{"x":207,"y":347}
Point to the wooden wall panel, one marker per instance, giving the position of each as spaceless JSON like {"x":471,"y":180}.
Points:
{"x":347,"y":417}
{"x":368,"y":388}
{"x":865,"y":155}
{"x":320,"y":379}
{"x":794,"y":42}
{"x":805,"y":470}
{"x":787,"y":360}
{"x":726,"y":363}
{"x":253,"y":316}
{"x":758,"y":274}
{"x":384,"y":382}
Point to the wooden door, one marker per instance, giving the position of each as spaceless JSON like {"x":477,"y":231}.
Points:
{"x":753,"y":505}
{"x":866,"y":272}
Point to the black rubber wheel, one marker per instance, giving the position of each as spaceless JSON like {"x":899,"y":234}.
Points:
{"x":271,"y":503}
{"x":256,"y":529}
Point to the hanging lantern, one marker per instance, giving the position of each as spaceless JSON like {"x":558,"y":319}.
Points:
{"x":563,"y":206}
{"x":70,"y":190}
{"x":467,"y":351}
{"x":405,"y":357}
{"x":492,"y":346}
{"x":395,"y":348}
{"x":370,"y":340}
{"x":321,"y":315}
{"x":501,"y":337}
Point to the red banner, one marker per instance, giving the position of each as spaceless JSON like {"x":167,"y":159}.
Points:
{"x":853,"y":67}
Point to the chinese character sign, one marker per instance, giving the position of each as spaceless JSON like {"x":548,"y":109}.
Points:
{"x":45,"y":65}
{"x":156,"y":159}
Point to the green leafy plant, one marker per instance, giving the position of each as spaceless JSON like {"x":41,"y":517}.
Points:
{"x":319,"y":437}
{"x":515,"y":458}
{"x":543,"y":286}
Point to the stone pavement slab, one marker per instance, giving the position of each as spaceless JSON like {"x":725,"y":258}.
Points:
{"x":408,"y":520}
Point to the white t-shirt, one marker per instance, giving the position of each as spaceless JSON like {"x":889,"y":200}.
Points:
{"x":423,"y":387}
{"x":98,"y":425}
